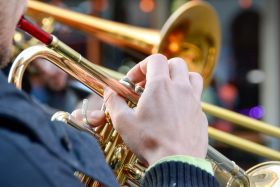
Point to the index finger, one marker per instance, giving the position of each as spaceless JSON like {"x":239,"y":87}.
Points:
{"x":138,"y":72}
{"x":153,"y":66}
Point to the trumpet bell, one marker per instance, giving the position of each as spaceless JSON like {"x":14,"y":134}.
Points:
{"x":265,"y":174}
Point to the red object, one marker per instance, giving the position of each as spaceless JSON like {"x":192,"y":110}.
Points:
{"x":34,"y":31}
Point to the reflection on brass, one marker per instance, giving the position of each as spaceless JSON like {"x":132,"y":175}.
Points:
{"x":134,"y":173}
{"x":264,"y":174}
{"x":186,"y":34}
{"x":192,"y":32}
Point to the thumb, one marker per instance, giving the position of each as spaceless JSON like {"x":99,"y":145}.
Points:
{"x":95,"y":117}
{"x":121,"y":114}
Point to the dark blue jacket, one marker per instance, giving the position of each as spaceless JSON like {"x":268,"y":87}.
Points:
{"x":37,"y":152}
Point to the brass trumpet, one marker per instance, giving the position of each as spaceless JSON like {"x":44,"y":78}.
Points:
{"x":123,"y":162}
{"x":186,"y":34}
{"x":192,"y":33}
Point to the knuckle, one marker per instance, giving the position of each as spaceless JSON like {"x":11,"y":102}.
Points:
{"x":158,"y":57}
{"x":183,"y":87}
{"x":160,"y":79}
{"x":118,"y":121}
{"x":182,"y":83}
{"x":122,"y":118}
{"x":159,"y":82}
{"x":177,"y":60}
{"x":119,"y":116}
{"x":178,"y":63}
{"x":196,"y":76}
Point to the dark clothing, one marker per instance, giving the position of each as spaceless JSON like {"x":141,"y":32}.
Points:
{"x":38,"y":152}
{"x":178,"y":174}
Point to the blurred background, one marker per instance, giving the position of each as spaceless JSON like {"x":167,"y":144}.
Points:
{"x":245,"y":80}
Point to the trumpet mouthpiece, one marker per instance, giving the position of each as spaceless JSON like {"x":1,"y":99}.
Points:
{"x":34,"y":31}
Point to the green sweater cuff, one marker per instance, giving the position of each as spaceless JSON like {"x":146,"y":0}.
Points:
{"x":198,"y":162}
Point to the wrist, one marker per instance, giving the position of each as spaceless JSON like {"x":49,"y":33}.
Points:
{"x":155,"y":156}
{"x":197,"y":162}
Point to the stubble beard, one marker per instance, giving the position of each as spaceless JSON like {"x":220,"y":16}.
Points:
{"x":9,"y":15}
{"x":5,"y":55}
{"x":5,"y":41}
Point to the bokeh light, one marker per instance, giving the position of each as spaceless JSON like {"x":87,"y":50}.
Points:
{"x":147,"y":5}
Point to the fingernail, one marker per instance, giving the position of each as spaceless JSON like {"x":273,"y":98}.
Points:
{"x":74,"y":113}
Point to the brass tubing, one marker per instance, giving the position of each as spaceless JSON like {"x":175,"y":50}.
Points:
{"x":243,"y":144}
{"x":147,"y":40}
{"x":241,"y":120}
{"x":224,"y":163}
{"x":119,"y":34}
{"x":185,"y":34}
{"x":222,"y":113}
{"x":34,"y":52}
{"x":85,"y":70}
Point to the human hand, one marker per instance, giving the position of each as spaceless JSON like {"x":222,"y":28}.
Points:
{"x":95,"y":118}
{"x":168,"y":119}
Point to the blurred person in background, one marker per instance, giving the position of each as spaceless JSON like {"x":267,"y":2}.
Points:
{"x":49,"y":85}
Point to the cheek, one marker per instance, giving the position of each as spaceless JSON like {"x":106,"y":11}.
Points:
{"x":19,"y":12}
{"x":5,"y":54}
{"x":19,"y":6}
